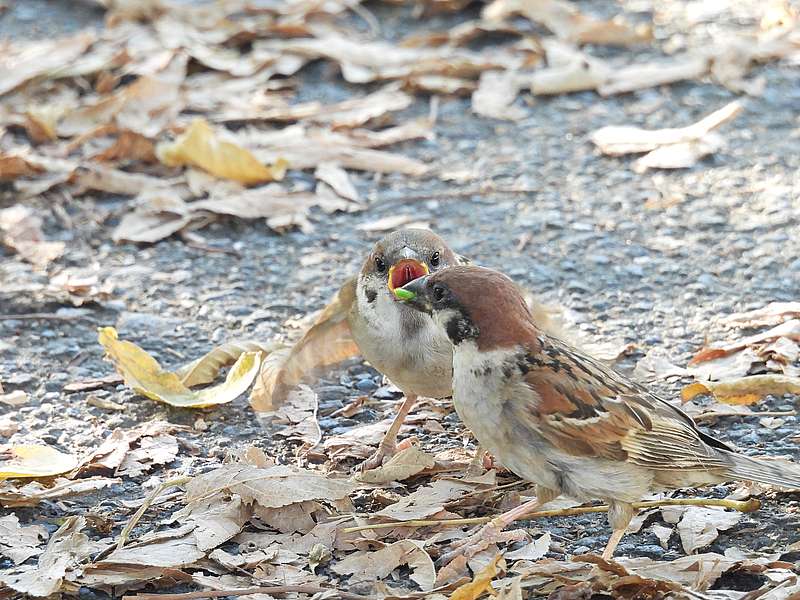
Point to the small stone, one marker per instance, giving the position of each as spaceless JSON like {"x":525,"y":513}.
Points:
{"x":387,"y":392}
{"x":366,"y":385}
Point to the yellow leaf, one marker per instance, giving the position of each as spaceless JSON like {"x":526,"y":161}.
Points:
{"x":199,"y":146}
{"x":146,"y":377}
{"x":481,"y":583}
{"x":205,"y":369}
{"x":327,"y":342}
{"x":743,"y":390}
{"x":30,"y":460}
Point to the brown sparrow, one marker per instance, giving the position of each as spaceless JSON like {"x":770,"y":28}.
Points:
{"x":559,"y":418}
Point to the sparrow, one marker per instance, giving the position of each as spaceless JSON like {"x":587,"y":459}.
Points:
{"x":402,"y":343}
{"x":559,"y":418}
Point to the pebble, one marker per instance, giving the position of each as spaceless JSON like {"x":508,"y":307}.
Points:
{"x":366,"y":385}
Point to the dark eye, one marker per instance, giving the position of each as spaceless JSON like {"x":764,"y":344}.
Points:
{"x":379,"y":264}
{"x":435,"y":259}
{"x":439,"y":292}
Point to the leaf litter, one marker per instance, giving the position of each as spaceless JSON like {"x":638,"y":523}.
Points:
{"x":189,"y":113}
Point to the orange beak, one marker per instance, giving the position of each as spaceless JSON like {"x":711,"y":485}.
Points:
{"x":404,"y":271}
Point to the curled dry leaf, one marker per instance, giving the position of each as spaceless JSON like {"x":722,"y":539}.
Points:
{"x":495,"y":95}
{"x":31,"y":460}
{"x":789,"y":329}
{"x":19,"y":543}
{"x":745,"y":390}
{"x":568,"y":23}
{"x":404,"y":464}
{"x":428,"y":500}
{"x":374,"y":566}
{"x":201,"y":147}
{"x":667,"y":148}
{"x":643,"y":76}
{"x":206,"y":369}
{"x":145,"y":376}
{"x":482,"y":582}
{"x":772,"y":314}
{"x":533,"y":551}
{"x":297,"y":418}
{"x":328,"y":341}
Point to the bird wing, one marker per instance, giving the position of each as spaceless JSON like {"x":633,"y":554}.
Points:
{"x":587,"y":409}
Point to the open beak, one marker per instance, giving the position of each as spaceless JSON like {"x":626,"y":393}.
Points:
{"x":414,"y":295}
{"x":405,"y":271}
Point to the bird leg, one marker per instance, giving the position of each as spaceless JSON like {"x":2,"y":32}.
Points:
{"x":388,"y":445}
{"x":489,"y":533}
{"x":619,"y":517}
{"x":477,"y":464}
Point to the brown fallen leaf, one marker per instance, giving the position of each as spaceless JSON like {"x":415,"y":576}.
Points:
{"x":481,"y":583}
{"x":496,"y":93}
{"x":19,"y":543}
{"x":652,"y":74}
{"x":65,"y":550}
{"x":22,"y":62}
{"x":200,"y":146}
{"x":699,"y":526}
{"x":430,"y":499}
{"x":772,"y":314}
{"x":34,"y":492}
{"x":146,"y":377}
{"x":328,"y":341}
{"x":788,"y":329}
{"x":21,"y":230}
{"x":568,"y":70}
{"x":666,"y":148}
{"x":297,"y":417}
{"x":402,"y":465}
{"x":746,"y":390}
{"x":374,"y":566}
{"x":568,"y":23}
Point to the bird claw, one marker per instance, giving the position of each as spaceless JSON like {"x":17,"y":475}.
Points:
{"x":379,"y":457}
{"x":477,"y":542}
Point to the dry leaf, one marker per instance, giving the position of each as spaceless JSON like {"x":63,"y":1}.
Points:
{"x":482,"y":582}
{"x":745,"y":390}
{"x":19,"y":543}
{"x":568,"y":23}
{"x":386,"y":223}
{"x":171,"y":548}
{"x":21,"y":231}
{"x":373,"y":566}
{"x":644,"y":76}
{"x":271,"y":487}
{"x":789,"y":329}
{"x":328,"y":341}
{"x":34,"y":492}
{"x":667,"y":148}
{"x":157,"y":450}
{"x":428,"y":500}
{"x":297,"y":418}
{"x":65,"y":550}
{"x":338,"y":179}
{"x":700,"y":526}
{"x":201,"y":147}
{"x":20,"y":62}
{"x":496,"y":93}
{"x":568,"y":70}
{"x":533,"y":551}
{"x":772,"y":314}
{"x":206,"y":369}
{"x":401,"y":466}
{"x":146,"y":377}
{"x":30,"y":460}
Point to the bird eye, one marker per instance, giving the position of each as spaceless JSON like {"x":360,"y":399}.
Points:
{"x":434,"y":260}
{"x":439,"y":293}
{"x":379,"y":264}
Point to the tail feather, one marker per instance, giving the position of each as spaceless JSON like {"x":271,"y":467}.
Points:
{"x":783,"y":474}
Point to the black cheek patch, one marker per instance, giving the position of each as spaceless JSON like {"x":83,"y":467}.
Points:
{"x":459,"y":329}
{"x":371,"y":295}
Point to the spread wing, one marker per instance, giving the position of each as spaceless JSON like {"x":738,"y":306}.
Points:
{"x":588,"y":409}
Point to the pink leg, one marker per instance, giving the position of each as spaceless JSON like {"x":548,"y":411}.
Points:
{"x":387,"y":446}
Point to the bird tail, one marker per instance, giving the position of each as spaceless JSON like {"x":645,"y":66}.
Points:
{"x":780,"y":473}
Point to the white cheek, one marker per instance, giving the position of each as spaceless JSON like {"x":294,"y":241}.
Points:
{"x":443,"y":317}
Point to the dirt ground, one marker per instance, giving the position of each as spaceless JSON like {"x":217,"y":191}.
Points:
{"x":646,"y":259}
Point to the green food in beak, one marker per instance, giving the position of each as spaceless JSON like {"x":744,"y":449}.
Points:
{"x":402,"y":294}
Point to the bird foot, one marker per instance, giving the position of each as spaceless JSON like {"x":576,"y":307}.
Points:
{"x":383,"y":454}
{"x":489,"y":534}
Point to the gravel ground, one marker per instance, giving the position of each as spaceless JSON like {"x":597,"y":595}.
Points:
{"x":649,"y":259}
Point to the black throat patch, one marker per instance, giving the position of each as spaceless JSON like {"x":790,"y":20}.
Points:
{"x":371,"y":295}
{"x":460,"y":329}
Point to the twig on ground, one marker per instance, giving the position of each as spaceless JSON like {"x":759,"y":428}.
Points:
{"x":741,"y":505}
{"x":126,"y":531}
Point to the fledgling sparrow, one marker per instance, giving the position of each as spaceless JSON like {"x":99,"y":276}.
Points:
{"x":559,"y":418}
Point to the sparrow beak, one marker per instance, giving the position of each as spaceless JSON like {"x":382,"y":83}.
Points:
{"x":415,"y":295}
{"x":405,"y":271}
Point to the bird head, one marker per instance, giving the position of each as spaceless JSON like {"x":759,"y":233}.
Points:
{"x":400,"y":258}
{"x":471,"y":303}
